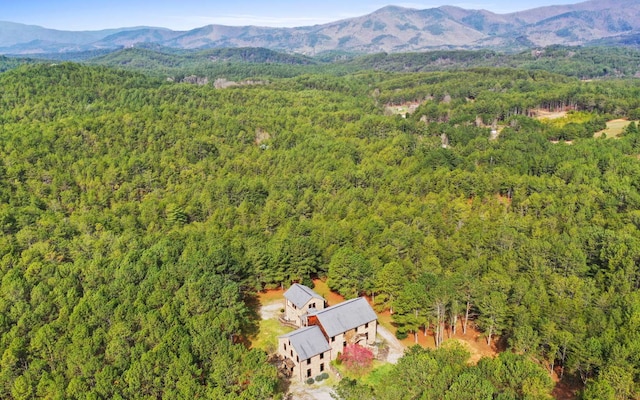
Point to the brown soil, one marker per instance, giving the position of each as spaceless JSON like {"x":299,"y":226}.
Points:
{"x":270,"y":295}
{"x":323,"y":290}
{"x":262,"y":135}
{"x":567,"y":388}
{"x":544,"y":114}
{"x":473,"y":340}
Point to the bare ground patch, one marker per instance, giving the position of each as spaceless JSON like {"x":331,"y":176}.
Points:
{"x":316,"y":391}
{"x":396,"y":349}
{"x":545,"y":114}
{"x":401,"y":109}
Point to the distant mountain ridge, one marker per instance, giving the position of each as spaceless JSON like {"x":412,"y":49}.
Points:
{"x":389,"y":29}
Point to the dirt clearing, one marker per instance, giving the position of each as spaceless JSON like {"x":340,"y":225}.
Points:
{"x":544,"y":114}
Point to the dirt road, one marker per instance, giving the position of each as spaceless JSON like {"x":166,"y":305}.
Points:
{"x":396,"y":349}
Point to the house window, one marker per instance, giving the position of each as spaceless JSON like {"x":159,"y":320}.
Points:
{"x":366,"y":335}
{"x":366,"y":325}
{"x":308,"y":361}
{"x":297,"y":359}
{"x":333,"y":338}
{"x":321,"y":367}
{"x":291,"y":353}
{"x":321,"y":356}
{"x":344,"y":344}
{"x":285,"y":346}
{"x":309,"y":373}
{"x":312,"y":305}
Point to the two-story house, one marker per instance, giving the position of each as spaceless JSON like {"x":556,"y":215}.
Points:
{"x":352,"y":321}
{"x":324,"y":332}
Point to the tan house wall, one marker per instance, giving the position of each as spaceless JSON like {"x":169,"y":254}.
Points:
{"x":369,"y":332}
{"x":316,"y":364}
{"x":337,"y":343}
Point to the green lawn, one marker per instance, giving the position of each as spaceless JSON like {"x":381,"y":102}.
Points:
{"x":267,"y":338}
{"x":374,"y":378}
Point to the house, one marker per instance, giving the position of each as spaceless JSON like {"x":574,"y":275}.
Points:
{"x":352,"y":321}
{"x":307,"y":352}
{"x":299,"y":301}
{"x":323,"y":332}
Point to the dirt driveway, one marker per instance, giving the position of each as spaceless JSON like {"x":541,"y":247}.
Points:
{"x":302,"y":391}
{"x":270,"y":311}
{"x":396,"y":349}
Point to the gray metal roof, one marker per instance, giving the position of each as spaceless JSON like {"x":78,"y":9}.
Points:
{"x":345,"y":316}
{"x":308,"y":342}
{"x":300,"y":295}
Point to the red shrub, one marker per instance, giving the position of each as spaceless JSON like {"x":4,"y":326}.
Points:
{"x":356,"y":357}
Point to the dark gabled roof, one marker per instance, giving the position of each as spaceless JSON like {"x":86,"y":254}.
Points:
{"x":345,"y":316}
{"x":308,"y":342}
{"x":300,"y":295}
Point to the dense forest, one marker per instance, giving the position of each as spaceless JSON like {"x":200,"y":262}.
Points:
{"x":240,"y":63}
{"x":140,"y":216}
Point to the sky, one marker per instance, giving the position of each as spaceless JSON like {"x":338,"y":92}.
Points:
{"x":76,"y":15}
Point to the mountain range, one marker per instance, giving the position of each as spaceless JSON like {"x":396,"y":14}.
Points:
{"x":389,"y":29}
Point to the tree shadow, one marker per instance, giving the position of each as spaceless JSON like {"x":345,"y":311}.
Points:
{"x":251,"y":326}
{"x":567,"y":388}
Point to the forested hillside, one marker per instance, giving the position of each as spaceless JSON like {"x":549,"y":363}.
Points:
{"x":139,"y":217}
{"x":580,"y":62}
{"x":254,"y":62}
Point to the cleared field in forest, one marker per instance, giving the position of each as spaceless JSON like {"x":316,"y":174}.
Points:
{"x":615,"y":128}
{"x":544,"y":114}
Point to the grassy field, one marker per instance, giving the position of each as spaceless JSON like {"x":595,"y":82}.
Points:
{"x":267,"y":337}
{"x":561,"y":119}
{"x":614,"y":128}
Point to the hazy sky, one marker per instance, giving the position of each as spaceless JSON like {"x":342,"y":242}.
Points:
{"x":189,"y":14}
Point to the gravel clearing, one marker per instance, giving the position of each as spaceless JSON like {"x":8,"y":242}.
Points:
{"x":271,"y":311}
{"x":396,"y":349}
